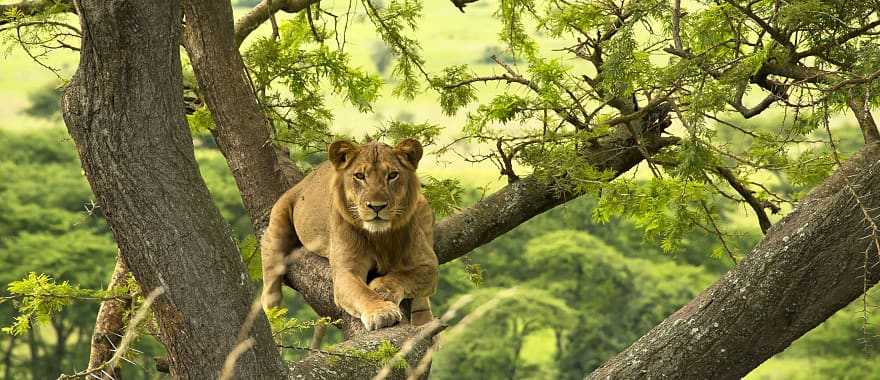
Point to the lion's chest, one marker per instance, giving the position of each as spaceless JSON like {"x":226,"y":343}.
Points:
{"x":385,"y":256}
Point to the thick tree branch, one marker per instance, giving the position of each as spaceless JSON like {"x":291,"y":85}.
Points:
{"x":522,"y":200}
{"x":242,"y":130}
{"x":262,"y":12}
{"x":809,"y":265}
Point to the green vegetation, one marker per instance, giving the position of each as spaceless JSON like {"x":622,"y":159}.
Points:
{"x":591,"y":276}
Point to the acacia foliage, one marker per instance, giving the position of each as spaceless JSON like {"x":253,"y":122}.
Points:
{"x":707,"y":64}
{"x":621,"y":61}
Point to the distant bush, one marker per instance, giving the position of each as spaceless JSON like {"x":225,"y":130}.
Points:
{"x":381,"y":56}
{"x":45,"y":102}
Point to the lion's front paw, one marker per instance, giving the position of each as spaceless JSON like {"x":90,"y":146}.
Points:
{"x":381,"y":314}
{"x":387,"y":289}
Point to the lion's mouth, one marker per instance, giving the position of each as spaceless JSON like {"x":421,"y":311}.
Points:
{"x":376,"y":224}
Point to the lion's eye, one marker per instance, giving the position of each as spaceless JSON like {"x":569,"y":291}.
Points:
{"x":392,"y":175}
{"x":360,"y":176}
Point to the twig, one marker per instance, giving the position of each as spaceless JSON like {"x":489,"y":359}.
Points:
{"x":273,"y":21}
{"x":749,"y":197}
{"x":126,"y":339}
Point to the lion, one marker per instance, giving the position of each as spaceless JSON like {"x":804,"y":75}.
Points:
{"x":364,"y":211}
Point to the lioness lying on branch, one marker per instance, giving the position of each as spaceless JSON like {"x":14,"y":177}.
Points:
{"x":364,"y":211}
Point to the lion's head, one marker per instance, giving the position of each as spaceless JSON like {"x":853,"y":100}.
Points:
{"x":376,"y":187}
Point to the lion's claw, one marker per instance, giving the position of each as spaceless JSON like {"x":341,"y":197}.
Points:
{"x":383,"y":315}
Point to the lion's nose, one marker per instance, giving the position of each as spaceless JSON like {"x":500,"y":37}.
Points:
{"x":377,"y":206}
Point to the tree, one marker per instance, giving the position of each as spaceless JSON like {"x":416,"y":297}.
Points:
{"x":814,"y":59}
{"x":492,"y":346}
{"x":43,"y":225}
{"x":617,"y":299}
{"x":138,"y":156}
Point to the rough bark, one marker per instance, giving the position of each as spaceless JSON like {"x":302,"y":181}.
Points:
{"x":109,"y":325}
{"x":123,"y":109}
{"x":812,"y":263}
{"x":242,"y":131}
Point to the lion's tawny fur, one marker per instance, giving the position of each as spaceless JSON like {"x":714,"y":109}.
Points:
{"x":329,"y":213}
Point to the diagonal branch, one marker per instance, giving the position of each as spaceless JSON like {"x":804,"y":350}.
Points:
{"x":110,"y":324}
{"x":856,"y":102}
{"x":808,"y":266}
{"x":242,"y":130}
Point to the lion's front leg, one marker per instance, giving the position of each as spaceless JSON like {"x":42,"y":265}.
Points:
{"x":421,"y":311}
{"x":351,"y":293}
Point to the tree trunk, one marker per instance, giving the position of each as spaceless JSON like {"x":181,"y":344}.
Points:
{"x":34,"y":347}
{"x":811,"y":264}
{"x":7,"y":358}
{"x":109,"y":325}
{"x":124,"y":110}
{"x":53,"y":365}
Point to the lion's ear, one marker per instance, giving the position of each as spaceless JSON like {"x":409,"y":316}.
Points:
{"x":341,"y":153}
{"x":410,"y":150}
